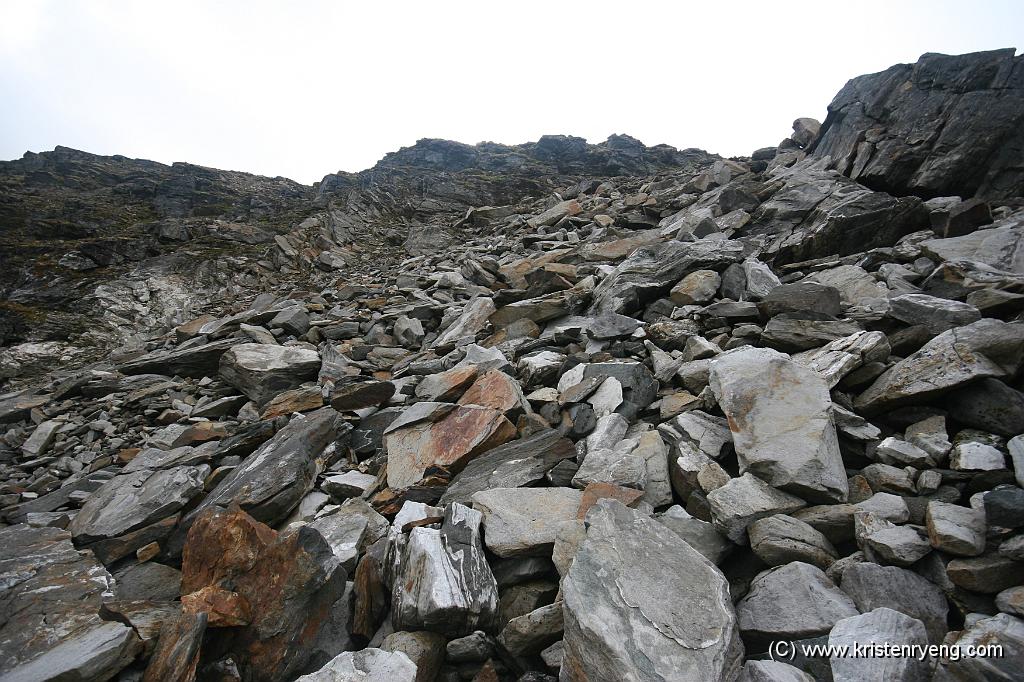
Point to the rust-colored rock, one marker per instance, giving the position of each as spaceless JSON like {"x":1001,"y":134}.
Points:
{"x":177,"y":652}
{"x":448,"y":385}
{"x":496,"y":390}
{"x":372,"y":597}
{"x":450,"y":442}
{"x":291,"y":582}
{"x":606,"y":491}
{"x":224,"y":608}
{"x":221,"y":546}
{"x":297,"y":400}
{"x":487,"y":673}
{"x":204,"y":431}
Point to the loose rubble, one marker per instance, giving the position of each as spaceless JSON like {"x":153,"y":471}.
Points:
{"x":614,"y":413}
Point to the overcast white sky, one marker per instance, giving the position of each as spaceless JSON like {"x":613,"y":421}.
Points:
{"x":302,"y":89}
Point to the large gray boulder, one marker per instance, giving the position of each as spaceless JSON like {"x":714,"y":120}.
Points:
{"x":883,"y":626}
{"x":795,"y":601}
{"x":261,"y":371}
{"x":872,"y":586}
{"x":642,"y":605}
{"x":779,"y":413}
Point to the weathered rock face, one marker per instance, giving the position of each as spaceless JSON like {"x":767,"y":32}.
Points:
{"x":779,"y":416}
{"x":947,"y":125}
{"x":619,"y":624}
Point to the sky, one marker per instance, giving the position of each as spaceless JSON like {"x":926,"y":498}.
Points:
{"x":306,"y":87}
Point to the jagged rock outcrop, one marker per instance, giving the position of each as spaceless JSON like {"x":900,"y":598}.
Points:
{"x":944,"y":126}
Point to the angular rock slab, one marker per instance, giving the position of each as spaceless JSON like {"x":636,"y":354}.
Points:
{"x":524,"y":521}
{"x":779,"y":414}
{"x":450,"y":442}
{"x":795,"y":601}
{"x":177,"y":651}
{"x":872,"y":586}
{"x":641,"y":604}
{"x":986,"y":348}
{"x":51,"y":597}
{"x":743,"y":500}
{"x":443,"y":583}
{"x":652,"y":270}
{"x":271,"y":481}
{"x":882,"y":626}
{"x":515,"y":464}
{"x":134,"y":500}
{"x":261,"y":371}
{"x":1001,"y":630}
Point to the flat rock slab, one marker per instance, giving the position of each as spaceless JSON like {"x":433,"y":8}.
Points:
{"x":515,"y":464}
{"x":638,"y":597}
{"x":986,"y":348}
{"x":524,"y":521}
{"x":779,"y":415}
{"x":271,"y":481}
{"x":192,"y":361}
{"x":133,"y":500}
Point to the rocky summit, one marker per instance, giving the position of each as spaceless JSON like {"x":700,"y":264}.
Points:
{"x":555,"y":411}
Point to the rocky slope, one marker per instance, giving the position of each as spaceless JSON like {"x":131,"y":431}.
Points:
{"x":587,"y":412}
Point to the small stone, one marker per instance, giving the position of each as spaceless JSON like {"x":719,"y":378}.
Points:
{"x":743,"y":500}
{"x":955,"y":529}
